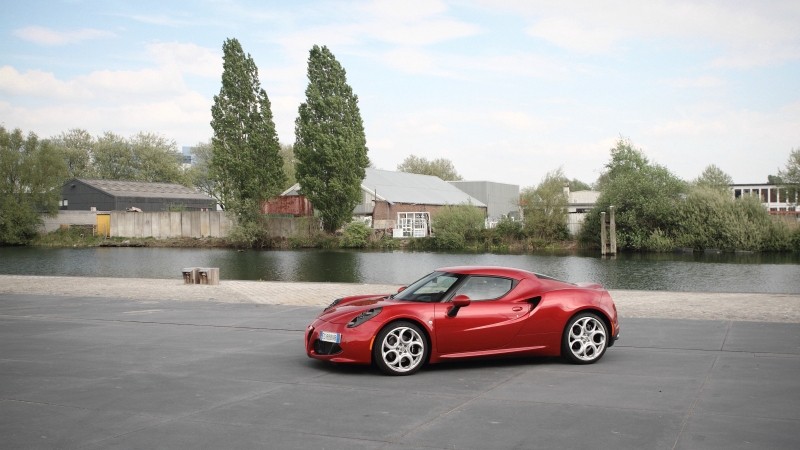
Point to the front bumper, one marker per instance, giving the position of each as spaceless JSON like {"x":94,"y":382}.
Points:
{"x":355,"y":346}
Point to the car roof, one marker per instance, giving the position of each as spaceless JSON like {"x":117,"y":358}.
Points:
{"x":490,"y":270}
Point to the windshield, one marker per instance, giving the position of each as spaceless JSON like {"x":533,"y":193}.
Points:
{"x":429,"y":289}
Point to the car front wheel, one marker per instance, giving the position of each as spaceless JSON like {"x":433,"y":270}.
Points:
{"x":400,"y":349}
{"x":585,"y":339}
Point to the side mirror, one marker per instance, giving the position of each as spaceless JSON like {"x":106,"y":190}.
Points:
{"x":401,"y":289}
{"x":459,"y":301}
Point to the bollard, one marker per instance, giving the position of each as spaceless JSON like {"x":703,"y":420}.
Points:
{"x":190,"y":275}
{"x":208,"y":275}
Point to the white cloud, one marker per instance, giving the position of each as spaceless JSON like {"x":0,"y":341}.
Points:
{"x":701,"y":82}
{"x":416,"y":61}
{"x":412,"y":23}
{"x":742,"y":34}
{"x":38,"y":84}
{"x":48,"y":36}
{"x":575,"y":35}
{"x":188,"y":58}
{"x":517,"y":121}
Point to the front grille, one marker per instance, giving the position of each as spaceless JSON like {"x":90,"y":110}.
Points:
{"x":326,"y":348}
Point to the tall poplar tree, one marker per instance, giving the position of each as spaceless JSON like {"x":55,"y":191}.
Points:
{"x":245,"y":163}
{"x":330,"y":147}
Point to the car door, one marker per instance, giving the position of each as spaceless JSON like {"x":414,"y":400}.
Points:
{"x":488,"y":322}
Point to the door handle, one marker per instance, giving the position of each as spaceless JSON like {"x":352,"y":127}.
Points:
{"x":516,"y":308}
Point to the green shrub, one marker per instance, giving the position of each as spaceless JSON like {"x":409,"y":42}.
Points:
{"x":356,"y":235}
{"x":659,"y":242}
{"x":449,"y":240}
{"x":458,"y":224}
{"x":249,"y":234}
{"x":509,"y":230}
{"x":70,"y":236}
{"x":387,"y":243}
{"x":794,"y":240}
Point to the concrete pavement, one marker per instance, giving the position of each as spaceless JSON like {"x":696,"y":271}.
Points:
{"x":156,"y":364}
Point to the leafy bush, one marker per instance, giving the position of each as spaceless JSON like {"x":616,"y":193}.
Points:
{"x":70,"y":236}
{"x":463,"y":220}
{"x":356,"y":235}
{"x":508,"y":229}
{"x":449,"y":240}
{"x":659,"y":242}
{"x":710,"y":218}
{"x":249,"y":234}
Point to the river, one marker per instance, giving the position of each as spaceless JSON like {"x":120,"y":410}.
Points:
{"x":757,"y":273}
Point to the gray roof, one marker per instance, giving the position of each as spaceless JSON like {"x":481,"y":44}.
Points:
{"x":402,"y":187}
{"x":411,"y":188}
{"x":145,"y":189}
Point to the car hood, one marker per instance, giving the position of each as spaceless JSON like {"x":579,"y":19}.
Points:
{"x":346,"y":308}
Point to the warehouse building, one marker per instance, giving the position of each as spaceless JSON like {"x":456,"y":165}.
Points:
{"x":112,"y":195}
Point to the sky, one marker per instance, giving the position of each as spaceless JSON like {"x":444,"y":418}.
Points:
{"x":508,"y":90}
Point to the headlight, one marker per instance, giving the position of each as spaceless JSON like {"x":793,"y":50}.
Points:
{"x":363,"y":317}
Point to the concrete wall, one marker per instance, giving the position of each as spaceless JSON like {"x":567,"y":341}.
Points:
{"x":167,"y":224}
{"x":51,"y":224}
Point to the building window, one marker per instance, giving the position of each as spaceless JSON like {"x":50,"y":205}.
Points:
{"x":413,"y":224}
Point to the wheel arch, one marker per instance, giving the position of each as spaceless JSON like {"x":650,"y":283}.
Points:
{"x":425,"y":331}
{"x":599,"y":313}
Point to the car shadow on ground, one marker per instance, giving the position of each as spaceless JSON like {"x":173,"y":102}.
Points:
{"x":441,"y":367}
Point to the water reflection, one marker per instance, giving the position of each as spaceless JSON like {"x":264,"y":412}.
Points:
{"x":676,"y":272}
{"x":327,"y":265}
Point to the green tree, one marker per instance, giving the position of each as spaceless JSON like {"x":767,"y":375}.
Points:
{"x":544,"y":208}
{"x":113,"y":158}
{"x":156,"y":159}
{"x":198,"y":174}
{"x":144,"y":157}
{"x":578,"y":185}
{"x":441,"y":167}
{"x":713,"y":177}
{"x":646,"y":197}
{"x":246,"y":163}
{"x":76,"y":146}
{"x":287,"y":153}
{"x":31,"y":175}
{"x":330,"y":145}
{"x":790,"y":175}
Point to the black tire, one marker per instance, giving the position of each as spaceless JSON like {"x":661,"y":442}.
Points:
{"x":400,"y":348}
{"x":585,"y":339}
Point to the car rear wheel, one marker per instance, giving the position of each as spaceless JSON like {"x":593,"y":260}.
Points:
{"x":585,"y":339}
{"x":400,"y":349}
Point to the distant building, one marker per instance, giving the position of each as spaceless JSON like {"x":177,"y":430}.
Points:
{"x":579,"y":203}
{"x":776,"y":200}
{"x":501,"y":199}
{"x":187,"y":156}
{"x":112,"y":195}
{"x":404,"y":204}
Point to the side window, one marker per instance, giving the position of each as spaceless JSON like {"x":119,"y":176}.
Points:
{"x":430,"y":289}
{"x":485,"y":288}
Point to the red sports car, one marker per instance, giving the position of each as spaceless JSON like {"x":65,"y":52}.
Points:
{"x":466,"y":312}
